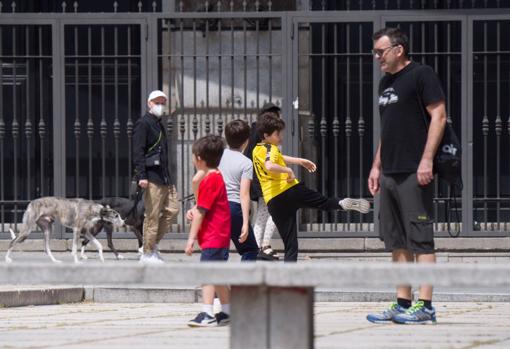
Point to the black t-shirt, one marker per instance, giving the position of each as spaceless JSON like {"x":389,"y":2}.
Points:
{"x":255,"y":190}
{"x":403,"y":128}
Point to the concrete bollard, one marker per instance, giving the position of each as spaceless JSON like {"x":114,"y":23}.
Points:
{"x":272,"y":317}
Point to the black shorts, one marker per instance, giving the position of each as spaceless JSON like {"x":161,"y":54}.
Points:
{"x":406,"y":213}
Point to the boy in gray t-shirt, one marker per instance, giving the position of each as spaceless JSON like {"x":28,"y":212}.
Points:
{"x":237,"y":172}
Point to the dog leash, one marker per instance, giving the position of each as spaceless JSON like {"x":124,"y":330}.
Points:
{"x":138,"y":197}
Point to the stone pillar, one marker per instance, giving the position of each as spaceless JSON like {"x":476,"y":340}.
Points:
{"x":271,"y":317}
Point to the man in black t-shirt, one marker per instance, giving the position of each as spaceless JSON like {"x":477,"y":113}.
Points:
{"x":410,"y":97}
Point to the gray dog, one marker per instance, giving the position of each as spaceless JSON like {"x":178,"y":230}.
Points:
{"x":77,"y":214}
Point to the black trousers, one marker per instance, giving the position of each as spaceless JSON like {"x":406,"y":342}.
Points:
{"x":283,"y":209}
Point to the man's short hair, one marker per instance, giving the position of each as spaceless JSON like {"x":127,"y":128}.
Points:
{"x":210,"y":149}
{"x":236,"y":133}
{"x":397,"y":37}
{"x":269,"y":122}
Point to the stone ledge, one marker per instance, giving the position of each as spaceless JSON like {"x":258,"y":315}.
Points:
{"x":362,"y":244}
{"x":12,"y":296}
{"x":323,"y":274}
{"x":20,"y":296}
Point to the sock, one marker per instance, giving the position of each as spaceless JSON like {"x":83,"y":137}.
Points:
{"x":428,"y":304}
{"x":404,"y":303}
{"x":225,"y":308}
{"x":208,"y":308}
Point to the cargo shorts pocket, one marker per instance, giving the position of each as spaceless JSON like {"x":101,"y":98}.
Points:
{"x":421,"y":235}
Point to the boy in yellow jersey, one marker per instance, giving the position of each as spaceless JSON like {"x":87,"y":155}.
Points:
{"x":282,"y":192}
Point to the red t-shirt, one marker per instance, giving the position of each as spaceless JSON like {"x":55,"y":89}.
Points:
{"x":212,"y":198}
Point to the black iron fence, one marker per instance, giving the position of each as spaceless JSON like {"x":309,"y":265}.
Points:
{"x":72,"y":84}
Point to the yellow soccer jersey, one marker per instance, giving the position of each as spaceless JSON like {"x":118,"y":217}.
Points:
{"x":272,"y":183}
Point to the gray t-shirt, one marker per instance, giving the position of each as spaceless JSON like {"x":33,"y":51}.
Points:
{"x":234,"y":166}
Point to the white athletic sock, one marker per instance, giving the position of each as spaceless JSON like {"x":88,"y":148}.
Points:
{"x":225,"y":308}
{"x":208,"y":308}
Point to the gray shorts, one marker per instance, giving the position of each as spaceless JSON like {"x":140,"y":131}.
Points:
{"x":406,"y":213}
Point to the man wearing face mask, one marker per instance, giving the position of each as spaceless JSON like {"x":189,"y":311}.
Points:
{"x":151,"y":171}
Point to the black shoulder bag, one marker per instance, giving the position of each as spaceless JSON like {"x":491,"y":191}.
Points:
{"x":447,"y":165}
{"x":153,"y":156}
{"x":152,"y":159}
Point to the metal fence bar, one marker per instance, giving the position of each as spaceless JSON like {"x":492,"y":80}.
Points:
{"x":498,"y":124}
{"x":323,"y":123}
{"x":90,"y":122}
{"x":182,"y":124}
{"x":103,"y":126}
{"x":28,"y":122}
{"x":361,"y":121}
{"x":207,"y":68}
{"x":220,"y":85}
{"x":348,"y":118}
{"x":77,"y":126}
{"x":195,"y":120}
{"x":15,"y":124}
{"x":336,"y":122}
{"x":485,"y":126}
{"x":42,"y":123}
{"x":129,"y":123}
{"x":116,"y":123}
{"x":232,"y":47}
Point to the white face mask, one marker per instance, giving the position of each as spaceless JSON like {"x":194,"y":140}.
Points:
{"x":157,"y":110}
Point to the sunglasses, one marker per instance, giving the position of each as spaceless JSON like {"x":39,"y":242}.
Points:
{"x":381,"y":51}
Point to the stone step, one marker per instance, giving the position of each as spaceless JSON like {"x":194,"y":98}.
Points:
{"x":15,"y":296}
{"x":306,"y":245}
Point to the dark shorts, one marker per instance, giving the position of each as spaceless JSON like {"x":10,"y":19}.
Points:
{"x":214,"y":254}
{"x":406,"y":213}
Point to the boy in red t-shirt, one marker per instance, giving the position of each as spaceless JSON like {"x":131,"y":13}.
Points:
{"x":210,"y":225}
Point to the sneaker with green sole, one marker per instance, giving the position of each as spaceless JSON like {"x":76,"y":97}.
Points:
{"x":417,"y":314}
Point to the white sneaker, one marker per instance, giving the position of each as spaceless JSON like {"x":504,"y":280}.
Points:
{"x":150,"y":258}
{"x":158,"y":256}
{"x":360,"y":205}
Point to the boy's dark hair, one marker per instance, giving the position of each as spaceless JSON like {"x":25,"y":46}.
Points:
{"x":268,"y":112}
{"x":236,"y":133}
{"x":269,"y":122}
{"x":397,"y":37}
{"x":270,"y":106}
{"x":210,"y":149}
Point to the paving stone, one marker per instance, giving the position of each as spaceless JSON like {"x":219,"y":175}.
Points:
{"x":98,"y":326}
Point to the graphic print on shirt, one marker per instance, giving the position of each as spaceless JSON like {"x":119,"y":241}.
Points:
{"x":389,"y":96}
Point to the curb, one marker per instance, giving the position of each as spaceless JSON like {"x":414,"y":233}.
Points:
{"x":18,"y":297}
{"x":307,"y":244}
{"x":21,"y":296}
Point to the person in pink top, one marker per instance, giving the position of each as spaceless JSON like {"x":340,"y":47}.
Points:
{"x":210,"y":226}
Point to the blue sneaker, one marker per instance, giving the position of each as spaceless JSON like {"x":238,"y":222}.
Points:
{"x":417,"y":314}
{"x":203,"y":320}
{"x":388,"y":315}
{"x":222,"y":318}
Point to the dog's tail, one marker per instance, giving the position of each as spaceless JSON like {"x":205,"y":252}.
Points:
{"x":13,"y":235}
